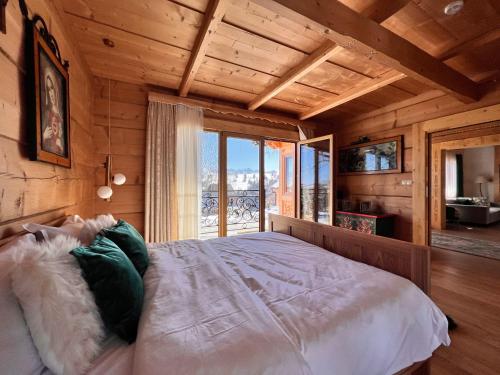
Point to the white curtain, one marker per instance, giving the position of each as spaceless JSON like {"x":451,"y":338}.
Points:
{"x":172,"y":206}
{"x":160,"y":204}
{"x":189,"y":124}
{"x":451,"y":175}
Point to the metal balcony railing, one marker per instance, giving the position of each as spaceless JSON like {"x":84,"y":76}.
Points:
{"x":242,"y":210}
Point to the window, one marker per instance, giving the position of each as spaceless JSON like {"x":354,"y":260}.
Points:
{"x":289,"y":174}
{"x":451,"y":175}
{"x":209,"y":226}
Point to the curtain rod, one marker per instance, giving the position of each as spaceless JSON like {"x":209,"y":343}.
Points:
{"x":227,"y":109}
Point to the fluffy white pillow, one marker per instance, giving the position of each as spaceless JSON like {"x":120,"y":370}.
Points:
{"x":94,"y":226}
{"x":58,"y":306}
{"x":18,"y":354}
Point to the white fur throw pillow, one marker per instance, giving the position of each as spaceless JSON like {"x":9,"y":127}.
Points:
{"x":94,"y":226}
{"x":58,"y":306}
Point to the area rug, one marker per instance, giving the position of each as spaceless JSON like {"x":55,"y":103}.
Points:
{"x":483,"y":248}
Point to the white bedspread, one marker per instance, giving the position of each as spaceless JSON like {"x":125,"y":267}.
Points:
{"x":271,"y":304}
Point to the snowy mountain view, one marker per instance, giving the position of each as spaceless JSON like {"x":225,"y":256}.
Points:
{"x":244,"y":179}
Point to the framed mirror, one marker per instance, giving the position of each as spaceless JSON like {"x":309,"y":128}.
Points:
{"x":315,"y":180}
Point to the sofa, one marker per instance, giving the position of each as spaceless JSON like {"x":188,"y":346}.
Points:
{"x":468,"y":212}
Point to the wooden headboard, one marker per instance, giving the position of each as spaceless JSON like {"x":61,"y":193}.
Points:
{"x":13,"y":228}
{"x":401,"y":258}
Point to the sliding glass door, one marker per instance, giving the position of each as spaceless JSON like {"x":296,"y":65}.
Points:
{"x":244,"y":179}
{"x":243,"y":174}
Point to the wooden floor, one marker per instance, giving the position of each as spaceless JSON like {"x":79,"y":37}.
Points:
{"x":467,"y":288}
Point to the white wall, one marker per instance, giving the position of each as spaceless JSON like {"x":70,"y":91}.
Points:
{"x":478,"y":162}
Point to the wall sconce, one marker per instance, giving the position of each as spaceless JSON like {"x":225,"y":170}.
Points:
{"x":105,"y":191}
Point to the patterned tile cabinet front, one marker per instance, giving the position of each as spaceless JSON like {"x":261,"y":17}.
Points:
{"x":379,"y":224}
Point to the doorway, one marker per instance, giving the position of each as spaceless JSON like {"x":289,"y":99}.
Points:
{"x":465,"y":190}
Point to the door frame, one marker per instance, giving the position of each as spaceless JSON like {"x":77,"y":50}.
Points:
{"x":333,"y":176}
{"x":421,"y":172}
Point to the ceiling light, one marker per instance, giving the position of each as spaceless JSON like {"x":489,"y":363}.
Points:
{"x":105,"y":191}
{"x":453,"y":8}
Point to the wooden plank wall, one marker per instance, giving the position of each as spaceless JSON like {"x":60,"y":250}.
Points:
{"x":388,"y":191}
{"x":128,"y":142}
{"x":31,"y":190}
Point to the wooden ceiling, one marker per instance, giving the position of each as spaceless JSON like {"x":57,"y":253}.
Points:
{"x":346,"y":57}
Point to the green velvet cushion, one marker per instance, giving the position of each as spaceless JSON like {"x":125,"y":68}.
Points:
{"x":117,"y":286}
{"x":131,"y":242}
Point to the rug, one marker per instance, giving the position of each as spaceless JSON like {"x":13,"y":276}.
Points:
{"x":483,"y":248}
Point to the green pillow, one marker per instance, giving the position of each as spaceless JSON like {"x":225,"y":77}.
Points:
{"x":117,"y":286}
{"x":131,"y":242}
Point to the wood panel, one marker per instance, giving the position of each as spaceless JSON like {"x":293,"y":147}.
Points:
{"x":128,"y":106}
{"x":30,"y":190}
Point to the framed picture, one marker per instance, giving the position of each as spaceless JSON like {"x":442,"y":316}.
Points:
{"x":382,"y":156}
{"x":50,"y":118}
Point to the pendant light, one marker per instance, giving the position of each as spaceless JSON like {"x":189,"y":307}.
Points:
{"x":105,"y":191}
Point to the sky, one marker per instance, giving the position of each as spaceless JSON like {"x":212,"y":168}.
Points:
{"x":242,"y":153}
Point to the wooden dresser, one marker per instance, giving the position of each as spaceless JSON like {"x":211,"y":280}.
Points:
{"x":379,"y":224}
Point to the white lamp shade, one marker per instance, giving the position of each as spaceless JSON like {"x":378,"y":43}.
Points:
{"x":119,"y":179}
{"x":481,"y":179}
{"x":104,"y":192}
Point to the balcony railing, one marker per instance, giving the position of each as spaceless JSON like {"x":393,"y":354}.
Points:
{"x":243,"y":211}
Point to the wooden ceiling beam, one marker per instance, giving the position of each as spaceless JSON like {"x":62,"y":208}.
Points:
{"x":357,"y":91}
{"x":319,"y":56}
{"x":366,"y":37}
{"x":213,"y":17}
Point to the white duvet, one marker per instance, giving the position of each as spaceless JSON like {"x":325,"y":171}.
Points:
{"x":268,"y":303}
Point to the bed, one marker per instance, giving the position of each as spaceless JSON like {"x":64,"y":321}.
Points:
{"x":278,"y":303}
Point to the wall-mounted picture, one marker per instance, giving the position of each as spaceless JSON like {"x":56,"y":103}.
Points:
{"x":51,"y":93}
{"x":382,"y":156}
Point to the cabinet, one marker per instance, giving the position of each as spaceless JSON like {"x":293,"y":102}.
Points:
{"x":379,"y":224}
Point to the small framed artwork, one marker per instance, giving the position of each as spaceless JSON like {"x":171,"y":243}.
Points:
{"x":50,"y":97}
{"x":382,"y":156}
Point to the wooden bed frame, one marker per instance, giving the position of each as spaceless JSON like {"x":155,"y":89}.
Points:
{"x":401,"y":258}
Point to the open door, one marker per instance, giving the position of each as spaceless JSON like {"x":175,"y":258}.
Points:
{"x":316,"y":180}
